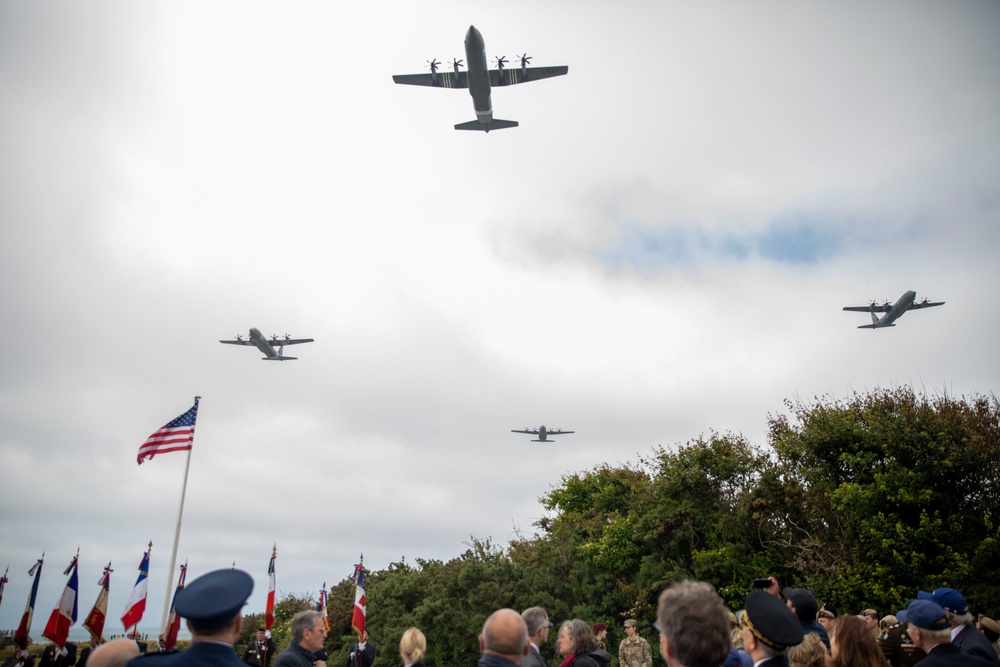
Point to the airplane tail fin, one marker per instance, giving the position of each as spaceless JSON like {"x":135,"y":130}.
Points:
{"x":874,"y":318}
{"x":279,"y":358}
{"x":495,"y":124}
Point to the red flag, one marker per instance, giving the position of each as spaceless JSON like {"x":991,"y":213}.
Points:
{"x":174,"y":621}
{"x":269,"y":611}
{"x":321,"y":607}
{"x":136,"y":605}
{"x":176,"y":435}
{"x":23,"y":630}
{"x":3,"y":582}
{"x":358,"y":618}
{"x":95,"y":619}
{"x":64,"y":615}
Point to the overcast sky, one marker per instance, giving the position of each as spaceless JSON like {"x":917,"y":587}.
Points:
{"x":662,"y":249}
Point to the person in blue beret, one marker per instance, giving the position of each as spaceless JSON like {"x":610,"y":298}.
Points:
{"x":212,"y":606}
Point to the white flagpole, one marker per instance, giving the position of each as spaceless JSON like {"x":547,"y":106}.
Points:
{"x":177,"y":537}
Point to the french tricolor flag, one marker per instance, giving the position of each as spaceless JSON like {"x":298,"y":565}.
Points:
{"x":136,"y":605}
{"x":64,"y":615}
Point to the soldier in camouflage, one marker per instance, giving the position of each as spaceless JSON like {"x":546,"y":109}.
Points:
{"x":634,"y":651}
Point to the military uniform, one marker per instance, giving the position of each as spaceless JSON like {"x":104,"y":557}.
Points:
{"x":898,"y":648}
{"x":211,"y":600}
{"x":635,"y":653}
{"x":260,"y":654}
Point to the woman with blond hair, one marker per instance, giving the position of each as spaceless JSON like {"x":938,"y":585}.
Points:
{"x":412,"y":647}
{"x":810,"y":653}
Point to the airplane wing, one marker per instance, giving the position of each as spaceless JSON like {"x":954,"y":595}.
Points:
{"x":870,"y":309}
{"x":529,"y":432}
{"x":289,"y":341}
{"x":241,"y":341}
{"x":439,"y":80}
{"x":560,"y":432}
{"x":521,"y":75}
{"x":925,"y":304}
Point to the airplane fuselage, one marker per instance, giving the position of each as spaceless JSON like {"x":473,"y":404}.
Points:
{"x":261,"y":342}
{"x":901,"y":306}
{"x":479,"y":76}
{"x":542,"y":433}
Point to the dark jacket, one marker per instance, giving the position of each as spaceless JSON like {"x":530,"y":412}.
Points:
{"x":533,"y":659}
{"x":361,"y":658}
{"x":260,"y":655}
{"x":596,"y":658}
{"x":295,"y":656}
{"x":949,"y":655}
{"x":971,"y":640}
{"x":814,"y":628}
{"x":898,"y":648}
{"x":49,"y":658}
{"x":200,"y":654}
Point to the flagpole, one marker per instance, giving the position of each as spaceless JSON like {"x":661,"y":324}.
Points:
{"x":177,"y":537}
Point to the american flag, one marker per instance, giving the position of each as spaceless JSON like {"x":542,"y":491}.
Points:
{"x":177,"y":435}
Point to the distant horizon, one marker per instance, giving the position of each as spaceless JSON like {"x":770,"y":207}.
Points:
{"x":80,"y":634}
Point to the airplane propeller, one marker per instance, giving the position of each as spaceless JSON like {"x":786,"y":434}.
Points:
{"x":239,"y":336}
{"x":433,"y":65}
{"x":500,"y":62}
{"x":525,"y":59}
{"x":456,"y":63}
{"x":287,"y":337}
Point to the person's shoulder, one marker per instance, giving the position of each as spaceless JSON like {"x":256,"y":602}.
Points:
{"x":161,"y":659}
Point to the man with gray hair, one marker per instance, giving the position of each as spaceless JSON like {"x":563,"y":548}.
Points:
{"x":964,"y":635}
{"x":537,"y":621}
{"x":694,"y":625}
{"x":504,"y":640}
{"x":308,"y":637}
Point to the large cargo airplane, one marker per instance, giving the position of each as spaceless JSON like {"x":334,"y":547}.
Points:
{"x":266,"y":346}
{"x":478,"y":79}
{"x":892,"y":311}
{"x":541,"y":432}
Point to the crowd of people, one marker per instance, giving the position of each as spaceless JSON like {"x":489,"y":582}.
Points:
{"x":778,"y":627}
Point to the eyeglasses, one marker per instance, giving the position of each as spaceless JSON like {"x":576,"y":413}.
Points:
{"x":656,"y":626}
{"x":550,"y":625}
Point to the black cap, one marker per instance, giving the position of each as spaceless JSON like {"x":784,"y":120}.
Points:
{"x":803,"y":601}
{"x":215,"y":598}
{"x":770,"y":621}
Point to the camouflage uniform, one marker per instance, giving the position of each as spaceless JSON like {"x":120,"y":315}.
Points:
{"x":635,"y":653}
{"x":898,"y":648}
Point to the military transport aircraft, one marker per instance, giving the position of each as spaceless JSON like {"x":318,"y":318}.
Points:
{"x":893,"y":311}
{"x":479,"y":79}
{"x":266,"y":346}
{"x":542,"y":433}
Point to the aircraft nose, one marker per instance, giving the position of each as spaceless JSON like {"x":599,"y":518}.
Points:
{"x":473,"y":35}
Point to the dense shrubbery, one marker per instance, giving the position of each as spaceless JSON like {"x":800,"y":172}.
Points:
{"x":862,"y":501}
